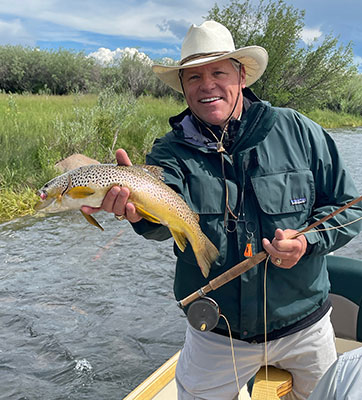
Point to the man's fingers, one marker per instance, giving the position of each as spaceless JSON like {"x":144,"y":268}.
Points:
{"x":270,"y":249}
{"x":120,"y":201}
{"x":110,"y":199}
{"x":132,"y":214}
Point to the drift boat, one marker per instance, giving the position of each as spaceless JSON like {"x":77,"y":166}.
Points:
{"x":345,"y":275}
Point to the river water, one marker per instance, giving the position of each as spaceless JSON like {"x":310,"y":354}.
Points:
{"x":86,"y":314}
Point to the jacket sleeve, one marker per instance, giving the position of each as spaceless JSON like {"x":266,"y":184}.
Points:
{"x":334,"y":188}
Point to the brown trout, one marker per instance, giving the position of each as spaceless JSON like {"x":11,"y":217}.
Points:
{"x":153,"y":199}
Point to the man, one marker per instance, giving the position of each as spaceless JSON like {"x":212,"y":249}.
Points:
{"x":343,"y":379}
{"x":255,"y":174}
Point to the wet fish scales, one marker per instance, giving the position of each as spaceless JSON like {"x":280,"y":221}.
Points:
{"x":153,"y":199}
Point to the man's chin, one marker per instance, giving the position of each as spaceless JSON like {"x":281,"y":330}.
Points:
{"x":214,"y":119}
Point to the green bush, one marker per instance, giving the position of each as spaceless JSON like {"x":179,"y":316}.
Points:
{"x":350,"y":100}
{"x":38,"y":131}
{"x":27,"y":70}
{"x":298,"y":77}
{"x":24,"y":69}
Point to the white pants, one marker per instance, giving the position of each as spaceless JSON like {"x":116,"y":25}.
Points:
{"x":205,"y":367}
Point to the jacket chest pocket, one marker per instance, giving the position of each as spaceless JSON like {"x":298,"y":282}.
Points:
{"x":285,"y":199}
{"x":206,"y":194}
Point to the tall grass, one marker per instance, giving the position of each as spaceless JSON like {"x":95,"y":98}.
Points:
{"x":36,"y":131}
{"x":330,"y":119}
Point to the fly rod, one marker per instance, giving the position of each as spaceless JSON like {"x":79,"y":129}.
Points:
{"x":250,"y":262}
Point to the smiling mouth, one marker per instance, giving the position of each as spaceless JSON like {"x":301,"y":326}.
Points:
{"x":210,"y":99}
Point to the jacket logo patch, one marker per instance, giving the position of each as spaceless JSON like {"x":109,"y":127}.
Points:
{"x":300,"y":200}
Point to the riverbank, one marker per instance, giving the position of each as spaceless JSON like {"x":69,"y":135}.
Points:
{"x":333,"y":120}
{"x":38,"y":131}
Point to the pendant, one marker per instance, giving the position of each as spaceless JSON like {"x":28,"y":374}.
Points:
{"x":220,"y":147}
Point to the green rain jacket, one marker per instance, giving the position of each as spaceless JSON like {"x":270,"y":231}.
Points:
{"x":282,"y":171}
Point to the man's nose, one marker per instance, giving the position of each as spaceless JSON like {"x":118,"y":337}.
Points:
{"x":207,"y":83}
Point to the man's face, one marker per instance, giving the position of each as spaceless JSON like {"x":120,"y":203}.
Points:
{"x":211,"y":91}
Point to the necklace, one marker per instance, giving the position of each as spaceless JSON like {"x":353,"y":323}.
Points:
{"x":221,"y":149}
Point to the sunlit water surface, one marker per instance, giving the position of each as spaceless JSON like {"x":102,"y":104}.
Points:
{"x":88,"y":315}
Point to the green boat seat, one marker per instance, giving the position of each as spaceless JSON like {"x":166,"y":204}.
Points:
{"x":345,"y":275}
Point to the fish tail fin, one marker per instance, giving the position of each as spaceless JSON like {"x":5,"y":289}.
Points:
{"x":206,"y":253}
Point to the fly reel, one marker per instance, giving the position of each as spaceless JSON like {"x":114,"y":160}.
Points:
{"x":203,"y":314}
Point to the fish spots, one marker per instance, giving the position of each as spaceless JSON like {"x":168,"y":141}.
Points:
{"x":87,"y":186}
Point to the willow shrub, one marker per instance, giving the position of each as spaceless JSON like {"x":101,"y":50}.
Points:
{"x":36,"y":131}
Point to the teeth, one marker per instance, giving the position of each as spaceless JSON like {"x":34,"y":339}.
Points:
{"x":210,"y":99}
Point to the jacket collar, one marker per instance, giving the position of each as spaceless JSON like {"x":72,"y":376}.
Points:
{"x":193,"y":132}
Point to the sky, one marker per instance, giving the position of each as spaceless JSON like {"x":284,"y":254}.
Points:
{"x":153,"y":27}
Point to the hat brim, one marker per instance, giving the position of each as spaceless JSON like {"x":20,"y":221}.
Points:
{"x":253,"y":58}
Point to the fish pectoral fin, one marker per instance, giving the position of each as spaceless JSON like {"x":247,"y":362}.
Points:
{"x":80,"y":192}
{"x":145,"y":214}
{"x":91,"y":220}
{"x":180,"y":239}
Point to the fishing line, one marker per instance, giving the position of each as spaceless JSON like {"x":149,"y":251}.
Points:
{"x":333,"y":227}
{"x":265,"y":301}
{"x":232,"y":352}
{"x":265,"y":338}
{"x":204,"y":313}
{"x":265,"y":326}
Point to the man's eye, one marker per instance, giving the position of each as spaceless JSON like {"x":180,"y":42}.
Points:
{"x":193,"y":77}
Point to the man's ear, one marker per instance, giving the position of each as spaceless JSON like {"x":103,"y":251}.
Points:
{"x":243,"y":77}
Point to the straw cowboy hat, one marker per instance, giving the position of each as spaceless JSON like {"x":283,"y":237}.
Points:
{"x":208,"y":43}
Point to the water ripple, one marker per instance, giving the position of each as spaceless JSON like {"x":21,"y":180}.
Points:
{"x":87,"y":314}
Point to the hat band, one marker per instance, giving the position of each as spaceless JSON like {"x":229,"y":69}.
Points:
{"x":201,"y":55}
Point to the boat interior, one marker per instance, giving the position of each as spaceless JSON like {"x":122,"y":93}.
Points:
{"x":345,"y":275}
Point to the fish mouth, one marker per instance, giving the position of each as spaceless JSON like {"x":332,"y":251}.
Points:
{"x":43,"y":195}
{"x":44,"y":201}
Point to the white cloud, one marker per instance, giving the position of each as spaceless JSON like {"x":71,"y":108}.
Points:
{"x":13,"y":32}
{"x":141,"y":19}
{"x":106,"y":56}
{"x":358,"y":61}
{"x":309,"y":35}
{"x":164,"y":51}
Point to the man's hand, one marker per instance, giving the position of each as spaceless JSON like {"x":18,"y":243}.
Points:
{"x":284,"y":252}
{"x":116,"y":200}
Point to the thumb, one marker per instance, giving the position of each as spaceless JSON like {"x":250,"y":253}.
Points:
{"x":279,"y":234}
{"x":122,"y":157}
